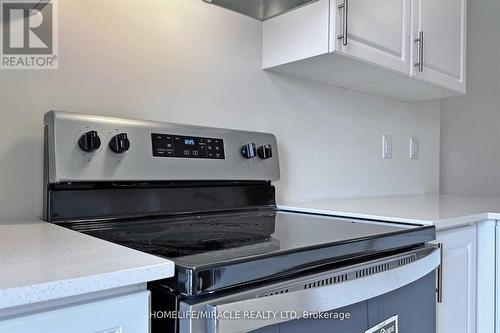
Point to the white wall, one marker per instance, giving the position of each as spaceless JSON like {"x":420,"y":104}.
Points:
{"x":470,"y":143}
{"x":187,"y":61}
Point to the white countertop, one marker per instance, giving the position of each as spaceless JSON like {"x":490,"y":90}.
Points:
{"x":440,"y":210}
{"x":40,"y":261}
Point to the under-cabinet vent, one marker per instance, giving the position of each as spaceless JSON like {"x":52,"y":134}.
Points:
{"x":274,"y":292}
{"x":352,"y":274}
{"x":372,"y":270}
{"x":407,"y":260}
{"x":261,"y":9}
{"x":326,"y":281}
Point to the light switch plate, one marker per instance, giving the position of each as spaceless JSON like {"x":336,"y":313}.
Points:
{"x":386,"y":147}
{"x":414,"y":148}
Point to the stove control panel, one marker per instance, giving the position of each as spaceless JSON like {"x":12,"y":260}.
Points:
{"x":170,"y":145}
{"x":90,"y":148}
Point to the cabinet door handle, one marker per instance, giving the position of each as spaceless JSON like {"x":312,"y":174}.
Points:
{"x":439,"y":288}
{"x":420,"y":60}
{"x":345,"y":8}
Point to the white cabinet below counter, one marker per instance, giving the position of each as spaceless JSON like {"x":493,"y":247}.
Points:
{"x":456,"y":313}
{"x":470,"y":278}
{"x":129,"y":313}
{"x":401,"y":49}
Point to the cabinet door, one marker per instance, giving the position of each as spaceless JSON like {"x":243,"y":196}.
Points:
{"x":116,"y":315}
{"x":443,"y":24}
{"x":457,"y":312}
{"x":378,"y":32}
{"x":497,"y":278}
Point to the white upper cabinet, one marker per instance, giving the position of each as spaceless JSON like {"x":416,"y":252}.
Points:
{"x":370,"y":46}
{"x":376,"y":31}
{"x":443,"y":27}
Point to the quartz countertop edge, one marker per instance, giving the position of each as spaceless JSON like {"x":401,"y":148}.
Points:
{"x":442,"y":211}
{"x":44,"y":262}
{"x":48,"y":291}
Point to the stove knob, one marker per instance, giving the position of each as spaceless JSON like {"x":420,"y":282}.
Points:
{"x":119,"y":143}
{"x":249,"y":150}
{"x":89,"y":142}
{"x":265,"y":152}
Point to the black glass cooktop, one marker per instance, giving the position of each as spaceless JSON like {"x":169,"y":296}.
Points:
{"x":190,"y":236}
{"x":215,"y":251}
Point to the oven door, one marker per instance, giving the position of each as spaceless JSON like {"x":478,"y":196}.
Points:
{"x":400,"y":288}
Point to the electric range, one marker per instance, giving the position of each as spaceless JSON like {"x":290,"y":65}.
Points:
{"x":204,"y":198}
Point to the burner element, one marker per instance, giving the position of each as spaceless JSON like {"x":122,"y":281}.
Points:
{"x":199,"y":242}
{"x":182,"y":236}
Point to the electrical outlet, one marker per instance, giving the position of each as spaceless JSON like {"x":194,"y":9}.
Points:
{"x":414,"y":148}
{"x":386,"y":147}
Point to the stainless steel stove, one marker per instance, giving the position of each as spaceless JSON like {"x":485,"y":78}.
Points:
{"x":204,"y":198}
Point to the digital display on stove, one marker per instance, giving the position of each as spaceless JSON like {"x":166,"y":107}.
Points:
{"x":171,"y":145}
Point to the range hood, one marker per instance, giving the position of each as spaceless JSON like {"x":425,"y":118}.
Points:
{"x":260,"y":9}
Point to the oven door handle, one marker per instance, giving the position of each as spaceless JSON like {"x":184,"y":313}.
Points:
{"x":319,"y":299}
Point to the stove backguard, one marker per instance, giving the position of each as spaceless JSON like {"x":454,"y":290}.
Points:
{"x":102,"y":201}
{"x":99,"y":167}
